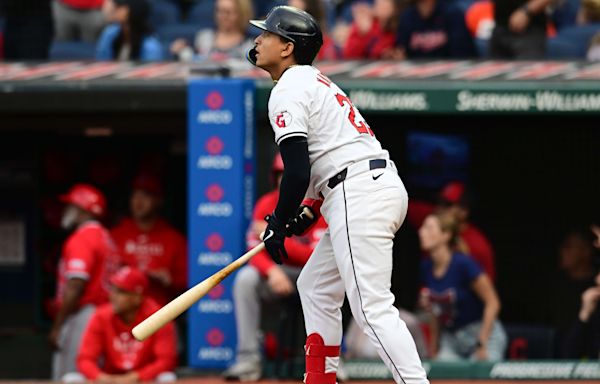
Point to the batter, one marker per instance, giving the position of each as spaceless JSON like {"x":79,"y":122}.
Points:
{"x":330,"y":153}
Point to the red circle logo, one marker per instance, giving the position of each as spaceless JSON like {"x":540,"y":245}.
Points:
{"x":214,"y":242}
{"x":215,"y":337}
{"x":214,"y":145}
{"x":217,"y":292}
{"x":214,"y":100}
{"x":214,"y":193}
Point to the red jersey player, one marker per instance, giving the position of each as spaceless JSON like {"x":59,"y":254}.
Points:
{"x":88,"y":257}
{"x":109,"y":353}
{"x":147,"y":242}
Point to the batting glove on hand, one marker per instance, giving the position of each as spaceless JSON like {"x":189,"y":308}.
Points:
{"x":274,"y":238}
{"x":298,"y":225}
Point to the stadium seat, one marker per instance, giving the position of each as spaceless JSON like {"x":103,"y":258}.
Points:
{"x":164,"y":12}
{"x":72,"y":50}
{"x":201,"y":14}
{"x":529,"y":341}
{"x":571,"y":42}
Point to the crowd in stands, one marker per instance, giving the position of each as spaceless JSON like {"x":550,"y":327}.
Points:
{"x":196,"y":30}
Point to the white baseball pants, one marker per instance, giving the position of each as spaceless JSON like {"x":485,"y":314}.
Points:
{"x":354,"y":257}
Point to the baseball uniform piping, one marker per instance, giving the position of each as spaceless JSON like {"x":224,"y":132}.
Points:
{"x":358,"y":288}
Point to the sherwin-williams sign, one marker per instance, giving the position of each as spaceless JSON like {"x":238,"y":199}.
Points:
{"x":221,"y":162}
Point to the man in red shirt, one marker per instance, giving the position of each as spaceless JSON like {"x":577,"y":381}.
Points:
{"x":88,"y":257}
{"x":109,"y":353}
{"x":263,"y":279}
{"x":455,"y":199}
{"x":148,"y":243}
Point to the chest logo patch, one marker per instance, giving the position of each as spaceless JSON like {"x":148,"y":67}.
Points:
{"x":283,"y":119}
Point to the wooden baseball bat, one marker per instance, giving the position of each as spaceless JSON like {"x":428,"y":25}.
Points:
{"x":182,"y":302}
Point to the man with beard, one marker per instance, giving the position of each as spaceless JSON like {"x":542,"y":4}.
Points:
{"x":87,"y":259}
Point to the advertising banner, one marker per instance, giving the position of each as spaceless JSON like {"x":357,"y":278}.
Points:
{"x":221,"y":163}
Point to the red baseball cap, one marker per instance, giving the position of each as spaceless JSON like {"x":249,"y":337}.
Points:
{"x":148,"y":183}
{"x":86,"y":197}
{"x":453,"y":193}
{"x":130,"y":280}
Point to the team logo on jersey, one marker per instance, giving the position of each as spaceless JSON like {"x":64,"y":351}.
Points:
{"x":283,"y":119}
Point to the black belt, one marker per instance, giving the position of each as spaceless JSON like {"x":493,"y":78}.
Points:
{"x":341,"y":176}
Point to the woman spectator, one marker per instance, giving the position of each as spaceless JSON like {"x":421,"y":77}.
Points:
{"x":373,"y":32}
{"x":458,"y":297}
{"x":228,"y":41}
{"x":329,"y":50}
{"x":129,"y":36}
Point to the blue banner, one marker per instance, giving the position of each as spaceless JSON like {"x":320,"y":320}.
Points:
{"x":221,"y":163}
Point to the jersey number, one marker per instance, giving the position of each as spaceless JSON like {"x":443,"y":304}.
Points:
{"x":362,"y":126}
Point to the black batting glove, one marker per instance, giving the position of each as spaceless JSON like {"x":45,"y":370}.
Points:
{"x":274,"y":238}
{"x":299,"y":224}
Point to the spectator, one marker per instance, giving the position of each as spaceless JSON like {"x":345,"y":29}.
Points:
{"x":583,"y":339}
{"x":76,"y":20}
{"x":580,"y":35}
{"x":27,"y":29}
{"x":479,"y":18}
{"x":128,"y":37}
{"x":147,"y":242}
{"x":456,"y":199}
{"x":228,"y":41}
{"x":520,"y":29}
{"x":265,"y":279}
{"x":458,"y":296}
{"x":109,"y":353}
{"x":576,"y":275}
{"x":88,"y":257}
{"x":433,"y":29}
{"x":329,"y":50}
{"x":373,"y":32}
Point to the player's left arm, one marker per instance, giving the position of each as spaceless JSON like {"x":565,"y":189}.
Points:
{"x":180,"y":265}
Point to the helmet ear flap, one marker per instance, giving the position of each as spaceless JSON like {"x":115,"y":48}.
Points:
{"x":251,"y":55}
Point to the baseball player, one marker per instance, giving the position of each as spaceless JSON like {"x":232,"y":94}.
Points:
{"x":330,"y":153}
{"x":147,"y":242}
{"x":109,"y":353}
{"x":88,"y":257}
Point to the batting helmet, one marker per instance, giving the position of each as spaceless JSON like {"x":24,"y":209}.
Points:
{"x":294,"y":25}
{"x":87,"y":198}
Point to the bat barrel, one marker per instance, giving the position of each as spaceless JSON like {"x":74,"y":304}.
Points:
{"x":182,"y":302}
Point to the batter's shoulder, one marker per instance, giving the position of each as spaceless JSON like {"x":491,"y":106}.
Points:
{"x":297,"y":79}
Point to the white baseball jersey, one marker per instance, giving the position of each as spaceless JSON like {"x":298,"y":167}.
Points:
{"x":304,"y":102}
{"x":363,"y":212}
